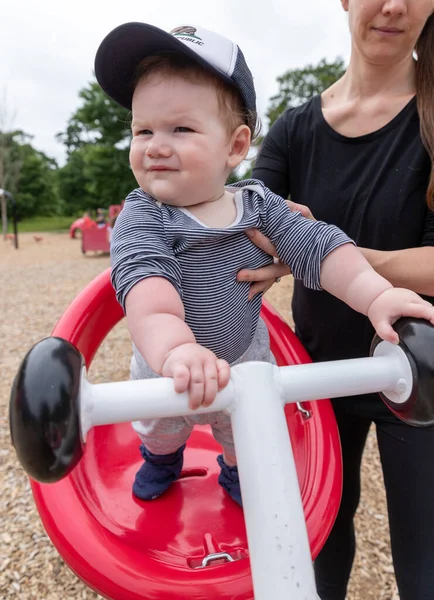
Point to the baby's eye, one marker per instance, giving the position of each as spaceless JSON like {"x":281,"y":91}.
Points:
{"x":183,"y":129}
{"x":143,"y":132}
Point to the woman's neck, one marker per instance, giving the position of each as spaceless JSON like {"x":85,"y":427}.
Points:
{"x":368,"y":96}
{"x":364,"y":80}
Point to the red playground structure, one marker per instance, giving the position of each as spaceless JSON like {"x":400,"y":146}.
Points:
{"x":94,"y":236}
{"x":191,"y":542}
{"x":75,"y":440}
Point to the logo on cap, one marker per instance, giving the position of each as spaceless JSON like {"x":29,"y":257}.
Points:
{"x":187,"y":33}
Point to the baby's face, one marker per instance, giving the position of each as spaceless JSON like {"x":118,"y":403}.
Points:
{"x":180,"y":147}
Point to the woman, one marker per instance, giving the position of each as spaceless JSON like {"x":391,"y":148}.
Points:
{"x":360,"y":156}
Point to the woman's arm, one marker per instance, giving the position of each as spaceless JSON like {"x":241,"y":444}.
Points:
{"x":272,"y":164}
{"x":346,"y":274}
{"x":272,"y":168}
{"x":411,"y":268}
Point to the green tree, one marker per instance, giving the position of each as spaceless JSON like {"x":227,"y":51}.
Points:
{"x":11,"y":143}
{"x":295,"y":87}
{"x":28,"y":174}
{"x":299,"y":85}
{"x":95,"y":176}
{"x":37,"y":193}
{"x":99,"y":120}
{"x":71,"y":184}
{"x":97,"y":138}
{"x":10,"y":166}
{"x":108,"y":174}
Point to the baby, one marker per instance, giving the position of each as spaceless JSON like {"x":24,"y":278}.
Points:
{"x":180,"y":239}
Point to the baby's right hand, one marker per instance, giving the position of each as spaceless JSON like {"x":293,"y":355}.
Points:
{"x":393,"y":304}
{"x":198,"y":370}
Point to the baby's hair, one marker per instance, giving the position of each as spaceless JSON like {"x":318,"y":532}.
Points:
{"x":229,"y":99}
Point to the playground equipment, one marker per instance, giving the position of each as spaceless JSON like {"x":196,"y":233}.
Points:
{"x":191,"y":542}
{"x":95,"y":238}
{"x":78,"y":225}
{"x":10,"y":198}
{"x":86,"y":222}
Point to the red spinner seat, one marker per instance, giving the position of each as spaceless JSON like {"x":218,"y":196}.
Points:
{"x":126,"y":549}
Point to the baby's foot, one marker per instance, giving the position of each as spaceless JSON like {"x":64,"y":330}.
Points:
{"x":157,"y":473}
{"x":229,"y":480}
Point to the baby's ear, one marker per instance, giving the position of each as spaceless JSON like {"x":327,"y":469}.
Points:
{"x":239,"y":146}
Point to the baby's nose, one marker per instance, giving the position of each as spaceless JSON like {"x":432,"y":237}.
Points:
{"x":158,"y":147}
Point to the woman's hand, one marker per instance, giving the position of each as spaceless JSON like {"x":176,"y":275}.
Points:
{"x":264,"y":277}
{"x":301,"y":208}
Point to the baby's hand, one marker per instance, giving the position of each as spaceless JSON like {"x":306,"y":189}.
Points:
{"x":198,"y":370}
{"x":393,"y":304}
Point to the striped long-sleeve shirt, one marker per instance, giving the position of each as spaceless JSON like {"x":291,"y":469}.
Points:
{"x":153,"y":239}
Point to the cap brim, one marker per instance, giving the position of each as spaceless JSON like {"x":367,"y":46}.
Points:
{"x":123,"y":48}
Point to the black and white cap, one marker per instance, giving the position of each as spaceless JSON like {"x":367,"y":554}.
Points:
{"x":120,"y":52}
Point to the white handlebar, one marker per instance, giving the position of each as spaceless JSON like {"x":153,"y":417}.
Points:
{"x":255,"y":397}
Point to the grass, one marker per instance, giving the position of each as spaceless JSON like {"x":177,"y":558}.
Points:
{"x":43,"y":224}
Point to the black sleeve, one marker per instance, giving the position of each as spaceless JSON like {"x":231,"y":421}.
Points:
{"x":428,"y":234}
{"x":272,"y":164}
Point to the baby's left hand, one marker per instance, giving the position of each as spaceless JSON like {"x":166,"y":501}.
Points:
{"x":393,"y":304}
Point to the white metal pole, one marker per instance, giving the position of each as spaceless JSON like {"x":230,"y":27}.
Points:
{"x":273,"y":511}
{"x":124,"y":401}
{"x":276,"y":530}
{"x":118,"y":402}
{"x":346,"y":377}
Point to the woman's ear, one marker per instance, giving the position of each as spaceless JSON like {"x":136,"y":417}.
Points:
{"x":239,"y":146}
{"x":345,"y":5}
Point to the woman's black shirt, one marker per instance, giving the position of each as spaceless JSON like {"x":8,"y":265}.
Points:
{"x":373,"y":187}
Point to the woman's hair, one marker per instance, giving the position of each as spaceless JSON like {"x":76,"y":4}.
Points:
{"x":425,"y":96}
{"x":229,"y":99}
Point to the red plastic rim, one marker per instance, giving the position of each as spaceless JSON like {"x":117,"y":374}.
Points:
{"x":126,"y":549}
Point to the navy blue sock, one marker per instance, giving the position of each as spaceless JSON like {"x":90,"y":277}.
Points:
{"x":157,"y":473}
{"x":229,"y":480}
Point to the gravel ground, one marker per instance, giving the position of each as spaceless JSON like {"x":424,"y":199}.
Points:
{"x":37,"y":283}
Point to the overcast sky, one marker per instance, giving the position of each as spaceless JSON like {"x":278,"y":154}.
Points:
{"x":47,"y":48}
